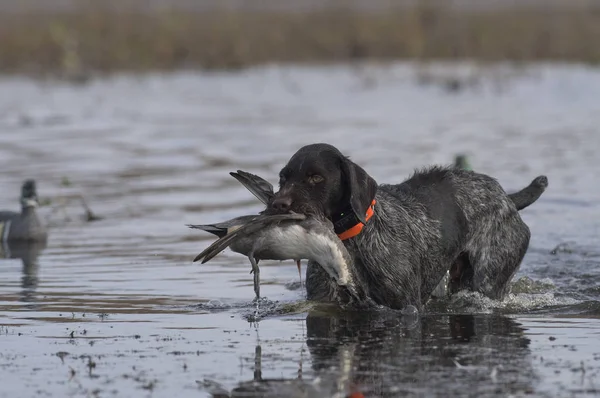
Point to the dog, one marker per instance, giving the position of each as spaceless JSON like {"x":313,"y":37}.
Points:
{"x":263,"y":191}
{"x":404,"y":237}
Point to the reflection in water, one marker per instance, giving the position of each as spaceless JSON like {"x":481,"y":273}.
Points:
{"x":272,"y":387}
{"x":28,"y":252}
{"x":268,"y":387}
{"x":380,"y":355}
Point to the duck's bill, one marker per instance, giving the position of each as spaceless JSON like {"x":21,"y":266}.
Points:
{"x":348,"y":285}
{"x":341,"y":275}
{"x":352,"y":296}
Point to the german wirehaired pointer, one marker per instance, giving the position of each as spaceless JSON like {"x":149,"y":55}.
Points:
{"x":403,"y":238}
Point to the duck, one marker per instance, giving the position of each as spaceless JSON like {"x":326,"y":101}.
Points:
{"x":289,"y":236}
{"x":26,"y":225}
{"x":461,"y":162}
{"x":264,"y":192}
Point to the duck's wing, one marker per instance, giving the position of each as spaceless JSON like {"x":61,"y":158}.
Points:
{"x":261,"y":188}
{"x":221,"y":229}
{"x":9,"y":216}
{"x":246,"y":230}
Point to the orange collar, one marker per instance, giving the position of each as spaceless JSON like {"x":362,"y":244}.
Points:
{"x":357,"y":228}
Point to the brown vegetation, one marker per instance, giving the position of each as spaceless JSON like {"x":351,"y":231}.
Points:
{"x":103,"y":40}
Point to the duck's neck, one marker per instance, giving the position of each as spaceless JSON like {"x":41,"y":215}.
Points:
{"x":345,"y":262}
{"x":353,"y":290}
{"x":341,"y":259}
{"x":28,"y":206}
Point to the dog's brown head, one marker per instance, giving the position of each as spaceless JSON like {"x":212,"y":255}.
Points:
{"x":319,"y":180}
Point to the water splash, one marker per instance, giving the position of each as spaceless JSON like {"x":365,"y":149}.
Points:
{"x":474,"y":302}
{"x":527,"y":285}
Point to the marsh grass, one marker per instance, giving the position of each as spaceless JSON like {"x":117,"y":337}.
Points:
{"x":99,"y":39}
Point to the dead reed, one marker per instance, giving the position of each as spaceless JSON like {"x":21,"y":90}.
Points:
{"x":103,"y":40}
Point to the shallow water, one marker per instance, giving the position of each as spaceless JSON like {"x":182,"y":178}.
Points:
{"x":115,"y":307}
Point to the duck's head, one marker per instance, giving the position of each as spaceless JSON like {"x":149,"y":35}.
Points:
{"x":29,"y":196}
{"x":461,"y":162}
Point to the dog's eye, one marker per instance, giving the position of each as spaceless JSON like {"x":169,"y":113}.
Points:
{"x":315,"y":179}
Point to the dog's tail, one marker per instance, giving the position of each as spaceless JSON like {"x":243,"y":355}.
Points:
{"x":530,"y":193}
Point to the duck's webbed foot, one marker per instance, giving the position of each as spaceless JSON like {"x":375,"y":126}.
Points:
{"x":256,"y":271}
{"x":299,"y":271}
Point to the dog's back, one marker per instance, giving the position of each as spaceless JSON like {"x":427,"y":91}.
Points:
{"x":498,"y":238}
{"x":434,"y":190}
{"x":437,"y":219}
{"x":477,"y":217}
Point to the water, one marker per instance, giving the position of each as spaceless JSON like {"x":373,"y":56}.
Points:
{"x":115,"y":307}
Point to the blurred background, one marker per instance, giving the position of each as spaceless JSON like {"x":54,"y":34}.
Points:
{"x":143,"y":108}
{"x":80,"y":38}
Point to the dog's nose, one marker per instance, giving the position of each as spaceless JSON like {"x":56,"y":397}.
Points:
{"x":282,"y":204}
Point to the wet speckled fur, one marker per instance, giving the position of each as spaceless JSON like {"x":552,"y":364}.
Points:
{"x":434,"y":220}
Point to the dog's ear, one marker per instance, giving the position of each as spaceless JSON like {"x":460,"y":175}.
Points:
{"x":361,"y":187}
